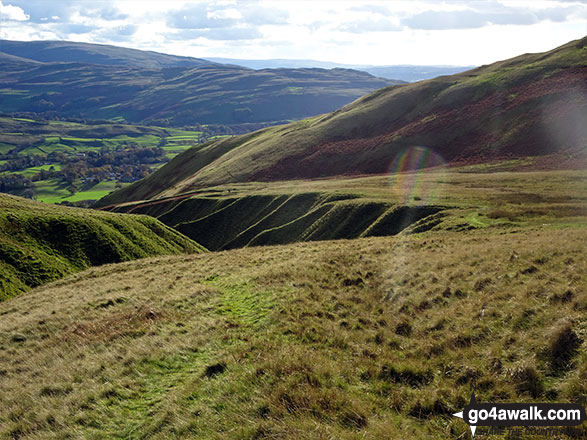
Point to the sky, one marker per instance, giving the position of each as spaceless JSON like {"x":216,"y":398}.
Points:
{"x":454,"y":32}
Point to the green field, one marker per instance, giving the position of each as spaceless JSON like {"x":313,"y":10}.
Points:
{"x":5,"y":148}
{"x":30,"y":172}
{"x":54,"y":191}
{"x":51,"y":191}
{"x":43,"y":138}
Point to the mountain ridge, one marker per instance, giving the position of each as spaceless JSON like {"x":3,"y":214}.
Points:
{"x":48,"y":51}
{"x":140,"y":92}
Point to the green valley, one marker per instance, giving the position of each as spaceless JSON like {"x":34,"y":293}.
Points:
{"x":354,"y":273}
{"x":59,"y":161}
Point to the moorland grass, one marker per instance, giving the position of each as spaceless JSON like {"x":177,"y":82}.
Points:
{"x":369,"y":338}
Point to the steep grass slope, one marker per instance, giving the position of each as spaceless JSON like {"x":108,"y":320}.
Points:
{"x":376,"y":338}
{"x":40,"y":243}
{"x":532,"y":105}
{"x":259,"y":219}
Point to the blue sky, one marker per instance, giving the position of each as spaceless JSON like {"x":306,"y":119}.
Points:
{"x":352,"y":32}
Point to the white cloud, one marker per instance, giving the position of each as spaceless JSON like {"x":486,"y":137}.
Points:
{"x":370,"y":32}
{"x":9,"y":12}
{"x":371,"y":25}
{"x":481,"y":14}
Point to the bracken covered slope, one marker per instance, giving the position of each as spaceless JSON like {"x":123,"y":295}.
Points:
{"x":40,"y":243}
{"x":531,"y":105}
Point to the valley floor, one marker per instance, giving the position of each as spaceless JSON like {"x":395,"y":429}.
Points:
{"x":376,"y":338}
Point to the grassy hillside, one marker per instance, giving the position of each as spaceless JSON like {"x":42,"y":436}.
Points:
{"x":529,"y":106}
{"x":41,"y":243}
{"x":375,"y":338}
{"x":225,"y":222}
{"x":163,"y":95}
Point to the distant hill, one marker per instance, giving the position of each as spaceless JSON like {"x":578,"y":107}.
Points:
{"x":531,"y":105}
{"x":41,"y":243}
{"x":72,"y":52}
{"x":413,"y":73}
{"x":7,"y":59}
{"x":409,"y":73}
{"x":106,"y":82}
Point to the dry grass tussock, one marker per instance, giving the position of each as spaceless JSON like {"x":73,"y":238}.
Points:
{"x":370,"y":338}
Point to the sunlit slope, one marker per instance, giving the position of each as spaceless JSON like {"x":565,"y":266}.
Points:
{"x":40,"y":243}
{"x":531,"y":105}
{"x":372,"y":338}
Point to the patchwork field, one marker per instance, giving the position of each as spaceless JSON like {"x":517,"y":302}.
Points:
{"x":71,"y":162}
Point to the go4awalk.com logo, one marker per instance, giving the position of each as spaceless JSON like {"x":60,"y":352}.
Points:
{"x":532,"y":416}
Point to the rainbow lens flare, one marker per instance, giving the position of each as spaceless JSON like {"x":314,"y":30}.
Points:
{"x":415,"y":175}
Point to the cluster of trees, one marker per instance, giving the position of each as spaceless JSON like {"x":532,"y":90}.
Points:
{"x":81,"y":170}
{"x":124,"y":164}
{"x":131,"y":155}
{"x":16,"y":183}
{"x":17,"y":162}
{"x":127,"y":165}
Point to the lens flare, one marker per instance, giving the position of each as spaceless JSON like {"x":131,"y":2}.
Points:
{"x":415,"y":176}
